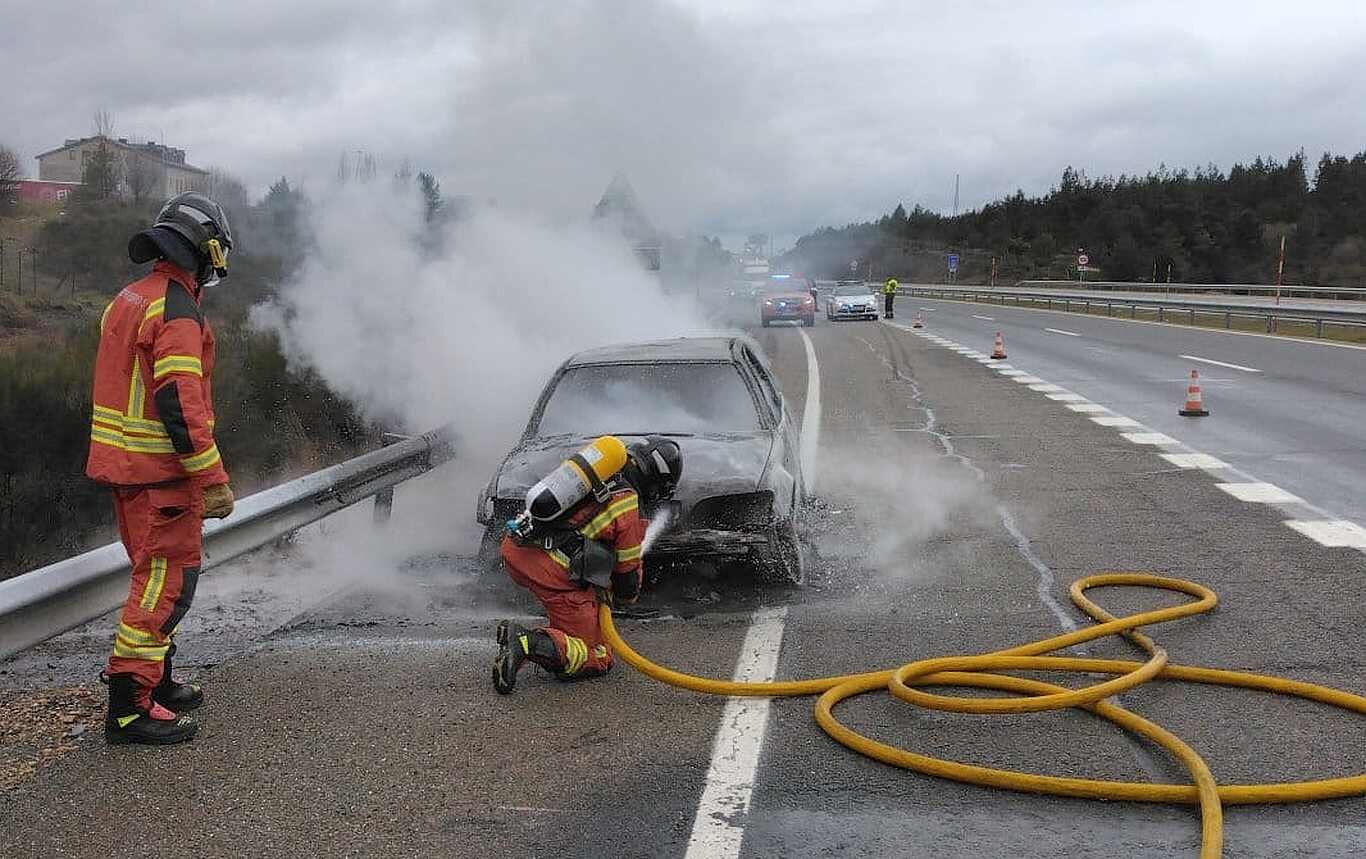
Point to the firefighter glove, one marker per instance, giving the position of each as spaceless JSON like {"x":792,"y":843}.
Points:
{"x":217,"y":501}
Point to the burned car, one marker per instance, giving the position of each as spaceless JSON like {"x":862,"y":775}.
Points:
{"x":717,"y":398}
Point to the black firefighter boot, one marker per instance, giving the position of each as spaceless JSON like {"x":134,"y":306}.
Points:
{"x":129,"y":723}
{"x":176,"y":697}
{"x":517,"y":645}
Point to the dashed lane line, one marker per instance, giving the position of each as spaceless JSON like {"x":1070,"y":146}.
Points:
{"x":984,"y":318}
{"x":1260,"y":493}
{"x":1061,"y":331}
{"x":1221,"y":363}
{"x":1326,"y":531}
{"x":718,"y":828}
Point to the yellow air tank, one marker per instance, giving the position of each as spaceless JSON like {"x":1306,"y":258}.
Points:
{"x":584,"y":472}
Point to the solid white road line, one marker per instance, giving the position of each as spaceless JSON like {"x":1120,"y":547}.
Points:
{"x":1194,"y":460}
{"x":1117,"y":421}
{"x":1149,"y":438}
{"x":811,"y":415}
{"x":1259,"y":493}
{"x":1333,"y":533}
{"x":1087,"y":408}
{"x":1221,"y":364}
{"x":983,"y":318}
{"x":1007,"y":370}
{"x":1060,"y":331}
{"x":718,"y":828}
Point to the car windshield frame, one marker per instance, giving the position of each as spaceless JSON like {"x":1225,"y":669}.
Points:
{"x":763,"y":420}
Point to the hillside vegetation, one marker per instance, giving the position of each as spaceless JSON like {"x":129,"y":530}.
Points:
{"x":272,"y":422}
{"x":1202,"y":226}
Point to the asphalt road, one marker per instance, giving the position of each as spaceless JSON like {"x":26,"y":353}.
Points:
{"x":954,"y":506}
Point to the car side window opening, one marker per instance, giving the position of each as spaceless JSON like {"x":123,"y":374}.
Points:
{"x":644,"y":398}
{"x":770,"y":393}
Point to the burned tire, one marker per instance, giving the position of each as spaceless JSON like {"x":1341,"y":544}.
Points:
{"x":784,"y":561}
{"x":490,"y":558}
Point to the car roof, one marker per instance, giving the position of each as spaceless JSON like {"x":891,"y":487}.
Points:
{"x":662,"y":351}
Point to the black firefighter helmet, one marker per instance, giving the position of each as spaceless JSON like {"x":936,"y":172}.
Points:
{"x":653,"y":467}
{"x":191,"y":231}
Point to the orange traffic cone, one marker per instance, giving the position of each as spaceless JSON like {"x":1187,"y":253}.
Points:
{"x":998,"y":349}
{"x":1195,"y":407}
{"x":919,"y":321}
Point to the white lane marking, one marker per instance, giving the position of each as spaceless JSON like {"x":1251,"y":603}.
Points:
{"x":984,"y":318}
{"x":1060,"y":331}
{"x":1087,"y":408}
{"x":1333,"y":533}
{"x":1149,"y":438}
{"x":811,"y":415}
{"x":1194,"y":460}
{"x":1221,"y":364}
{"x":1047,"y":388}
{"x":1066,"y":397}
{"x":1007,"y":370}
{"x":1259,"y":493}
{"x":1117,"y":421}
{"x":1027,"y":380}
{"x":718,"y":828}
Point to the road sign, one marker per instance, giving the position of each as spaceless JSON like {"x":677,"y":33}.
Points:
{"x":953,"y":263}
{"x":1083,"y":260}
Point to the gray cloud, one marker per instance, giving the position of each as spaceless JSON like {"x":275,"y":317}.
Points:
{"x":729,"y":116}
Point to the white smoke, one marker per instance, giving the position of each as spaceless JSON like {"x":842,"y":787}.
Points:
{"x":464,"y":327}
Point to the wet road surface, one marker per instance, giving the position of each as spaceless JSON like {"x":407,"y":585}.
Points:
{"x":953,"y":509}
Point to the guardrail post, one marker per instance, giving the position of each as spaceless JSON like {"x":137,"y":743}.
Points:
{"x":384,"y":499}
{"x":1161,"y":317}
{"x":1318,"y":327}
{"x":1228,"y":320}
{"x":1270,"y":324}
{"x":1192,"y":315}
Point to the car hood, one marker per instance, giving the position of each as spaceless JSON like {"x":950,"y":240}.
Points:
{"x":853,"y":299}
{"x":712,"y":464}
{"x":786,"y":296}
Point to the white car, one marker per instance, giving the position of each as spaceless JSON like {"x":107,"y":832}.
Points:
{"x":851,"y":301}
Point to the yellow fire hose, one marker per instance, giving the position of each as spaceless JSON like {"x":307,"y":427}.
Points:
{"x":1033,"y":696}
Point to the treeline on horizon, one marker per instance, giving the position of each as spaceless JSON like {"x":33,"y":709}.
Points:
{"x":1201,"y":226}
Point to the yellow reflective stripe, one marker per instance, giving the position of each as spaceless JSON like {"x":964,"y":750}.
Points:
{"x":599,"y":523}
{"x":631,"y":554}
{"x":206,"y":458}
{"x":177,"y":364}
{"x":125,"y":721}
{"x":135,"y":444}
{"x":558,"y":557}
{"x":156,"y":308}
{"x":125,"y":423}
{"x":575,"y":654}
{"x":137,"y":394}
{"x":145,"y":652}
{"x":137,"y":636}
{"x":156,"y":580}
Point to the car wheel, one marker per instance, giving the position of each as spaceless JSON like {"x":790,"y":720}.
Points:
{"x":764,"y":322}
{"x":784,"y":560}
{"x":809,"y":321}
{"x":490,"y":555}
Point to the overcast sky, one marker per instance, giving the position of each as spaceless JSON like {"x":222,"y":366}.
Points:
{"x":728,"y":116}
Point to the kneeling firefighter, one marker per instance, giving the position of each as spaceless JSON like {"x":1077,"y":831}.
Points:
{"x":580,"y":540}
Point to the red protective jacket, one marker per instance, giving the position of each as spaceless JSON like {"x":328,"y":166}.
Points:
{"x":153,"y":418}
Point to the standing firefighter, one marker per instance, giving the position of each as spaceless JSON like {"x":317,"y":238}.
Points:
{"x":580,"y":539}
{"x":151,"y":441}
{"x":888,"y":296}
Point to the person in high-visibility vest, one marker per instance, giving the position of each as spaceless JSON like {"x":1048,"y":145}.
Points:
{"x":888,"y":296}
{"x":152,"y":443}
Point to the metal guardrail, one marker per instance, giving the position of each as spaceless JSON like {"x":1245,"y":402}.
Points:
{"x":1317,"y":316}
{"x":1340,"y":293}
{"x":48,"y":601}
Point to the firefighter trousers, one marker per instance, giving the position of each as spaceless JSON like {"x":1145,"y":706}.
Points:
{"x":161,"y":527}
{"x":571,"y":611}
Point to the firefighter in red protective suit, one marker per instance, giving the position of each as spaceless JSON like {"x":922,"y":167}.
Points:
{"x":152,"y":442}
{"x":558,"y":569}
